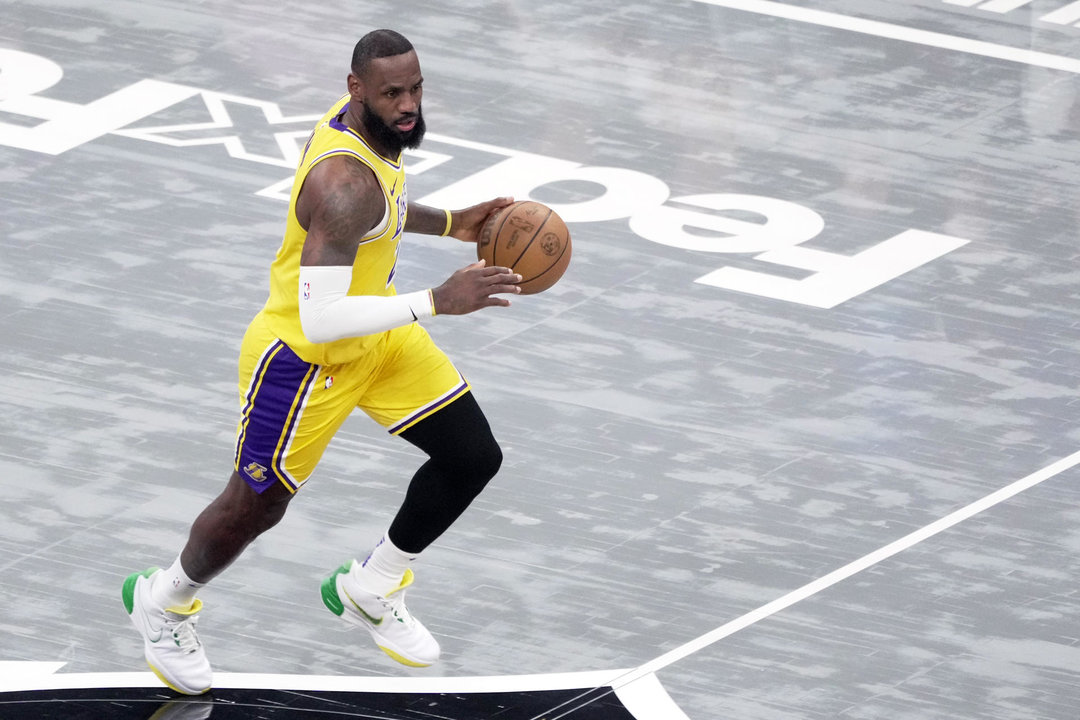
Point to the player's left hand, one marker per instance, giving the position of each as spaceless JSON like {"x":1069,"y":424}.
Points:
{"x":468,"y":222}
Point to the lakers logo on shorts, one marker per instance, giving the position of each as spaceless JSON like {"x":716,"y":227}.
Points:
{"x":291,"y":408}
{"x":256,"y":472}
{"x":274,"y":402}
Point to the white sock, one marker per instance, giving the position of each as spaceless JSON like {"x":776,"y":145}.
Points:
{"x":173,"y":588}
{"x":385,"y":566}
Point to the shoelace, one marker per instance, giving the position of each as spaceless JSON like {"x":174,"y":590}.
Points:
{"x":183,"y":632}
{"x":396,"y":605}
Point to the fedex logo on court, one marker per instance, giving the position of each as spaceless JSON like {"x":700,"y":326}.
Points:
{"x":711,"y":223}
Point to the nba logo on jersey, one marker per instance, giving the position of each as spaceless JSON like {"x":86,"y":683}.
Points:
{"x":307,"y":291}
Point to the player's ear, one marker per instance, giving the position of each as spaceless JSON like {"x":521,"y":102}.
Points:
{"x":356,"y":87}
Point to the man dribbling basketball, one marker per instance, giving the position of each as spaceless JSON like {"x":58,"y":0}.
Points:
{"x":334,"y":335}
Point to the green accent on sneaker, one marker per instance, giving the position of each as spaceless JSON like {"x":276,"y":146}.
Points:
{"x":330,"y":596}
{"x":128,"y":591}
{"x":363,"y":612}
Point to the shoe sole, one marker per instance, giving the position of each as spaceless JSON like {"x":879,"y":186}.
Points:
{"x":332,"y":599}
{"x":127,"y":592}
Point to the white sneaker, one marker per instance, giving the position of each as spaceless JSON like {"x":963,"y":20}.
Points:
{"x":184,"y":709}
{"x":170,"y":643}
{"x":394,"y":629}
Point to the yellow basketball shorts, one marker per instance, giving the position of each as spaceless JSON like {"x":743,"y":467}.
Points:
{"x":290,"y":409}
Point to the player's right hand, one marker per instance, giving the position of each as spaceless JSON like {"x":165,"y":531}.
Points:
{"x":474,"y":287}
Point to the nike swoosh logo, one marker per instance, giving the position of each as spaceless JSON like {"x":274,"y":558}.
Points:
{"x":370,"y":619}
{"x":154,"y":639}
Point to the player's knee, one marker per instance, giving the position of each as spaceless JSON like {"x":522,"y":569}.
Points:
{"x":478,"y":464}
{"x":252,"y":511}
{"x":489,"y":461}
{"x":272,"y":514}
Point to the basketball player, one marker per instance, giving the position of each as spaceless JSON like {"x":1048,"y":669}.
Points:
{"x":334,"y":336}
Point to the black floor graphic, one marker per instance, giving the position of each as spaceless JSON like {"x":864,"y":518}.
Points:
{"x":237,"y":704}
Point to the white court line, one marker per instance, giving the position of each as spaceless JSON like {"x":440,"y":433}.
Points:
{"x":812,"y":588}
{"x":900,"y":32}
{"x":848,"y":570}
{"x":19,"y":676}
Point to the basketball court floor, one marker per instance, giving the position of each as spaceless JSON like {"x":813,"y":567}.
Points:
{"x":794,"y":438}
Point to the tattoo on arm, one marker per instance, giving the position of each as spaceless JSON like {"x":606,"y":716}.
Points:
{"x":339,"y":215}
{"x":349,"y":204}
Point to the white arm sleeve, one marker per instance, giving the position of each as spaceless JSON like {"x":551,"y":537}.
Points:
{"x":328,"y":312}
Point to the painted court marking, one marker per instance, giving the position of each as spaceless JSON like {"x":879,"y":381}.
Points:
{"x":646,"y":699}
{"x":900,"y":32}
{"x":826,"y":581}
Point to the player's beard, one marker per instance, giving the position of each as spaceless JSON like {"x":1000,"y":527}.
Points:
{"x":390,"y":138}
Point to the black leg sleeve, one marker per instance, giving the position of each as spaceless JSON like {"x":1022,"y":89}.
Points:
{"x":463,"y":457}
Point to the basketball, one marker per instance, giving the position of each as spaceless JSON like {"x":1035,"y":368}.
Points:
{"x":530,"y":238}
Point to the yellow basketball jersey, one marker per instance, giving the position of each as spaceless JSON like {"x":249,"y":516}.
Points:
{"x":376,"y":258}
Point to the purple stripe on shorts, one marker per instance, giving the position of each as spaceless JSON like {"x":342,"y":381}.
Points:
{"x":252,"y":387}
{"x":286,"y":440}
{"x":427,"y":409}
{"x":275,"y":395}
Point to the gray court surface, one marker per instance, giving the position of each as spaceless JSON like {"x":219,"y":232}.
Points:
{"x":823,"y":294}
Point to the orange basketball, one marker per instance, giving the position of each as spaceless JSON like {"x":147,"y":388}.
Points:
{"x":530,"y":238}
